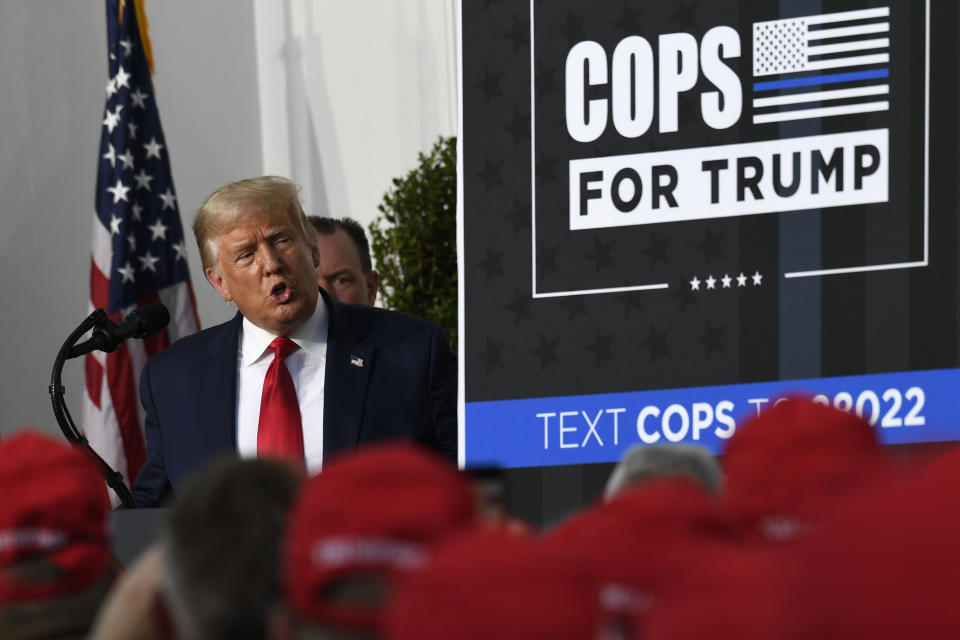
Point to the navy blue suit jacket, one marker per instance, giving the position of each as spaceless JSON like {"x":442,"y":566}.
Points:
{"x":406,"y":389}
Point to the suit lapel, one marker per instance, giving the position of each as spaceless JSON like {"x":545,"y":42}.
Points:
{"x":218,"y":389}
{"x":345,"y":386}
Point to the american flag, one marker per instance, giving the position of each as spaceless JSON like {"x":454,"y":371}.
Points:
{"x":829,"y":64}
{"x":139,"y":254}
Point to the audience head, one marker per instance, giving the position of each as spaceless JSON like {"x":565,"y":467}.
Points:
{"x":345,"y":270}
{"x":366,"y":520}
{"x":258,"y":251}
{"x":790,"y":467}
{"x":493,"y":584}
{"x":55,"y":563}
{"x":221,"y":546}
{"x":649,"y":463}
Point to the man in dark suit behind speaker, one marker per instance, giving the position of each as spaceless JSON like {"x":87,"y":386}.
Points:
{"x":359,"y":374}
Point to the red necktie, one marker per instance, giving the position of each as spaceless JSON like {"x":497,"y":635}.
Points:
{"x":279,"y":433}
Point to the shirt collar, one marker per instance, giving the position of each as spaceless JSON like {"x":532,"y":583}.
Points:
{"x":311,"y":336}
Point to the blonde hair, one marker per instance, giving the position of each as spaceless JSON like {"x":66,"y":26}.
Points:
{"x":226,"y":204}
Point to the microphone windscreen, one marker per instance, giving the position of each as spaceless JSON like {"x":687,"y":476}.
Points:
{"x":150,"y":319}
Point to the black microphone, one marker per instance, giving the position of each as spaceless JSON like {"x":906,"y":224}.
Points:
{"x":140,"y":323}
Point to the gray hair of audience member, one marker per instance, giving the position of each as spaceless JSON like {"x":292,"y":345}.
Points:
{"x":222,"y":542}
{"x":648,"y":463}
{"x":328,"y":226}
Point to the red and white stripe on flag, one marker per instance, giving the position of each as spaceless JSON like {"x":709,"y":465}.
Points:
{"x":139,"y":252}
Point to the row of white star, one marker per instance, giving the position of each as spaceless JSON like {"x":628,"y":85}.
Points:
{"x":126,"y":159}
{"x":120,"y":192}
{"x":726,"y":282}
{"x":148,"y":262}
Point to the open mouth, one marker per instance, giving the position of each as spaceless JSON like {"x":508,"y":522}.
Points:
{"x":280,"y":293}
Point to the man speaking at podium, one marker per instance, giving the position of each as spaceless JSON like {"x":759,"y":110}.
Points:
{"x":294,"y":374}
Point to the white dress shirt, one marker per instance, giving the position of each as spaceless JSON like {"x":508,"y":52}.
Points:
{"x":307,"y":366}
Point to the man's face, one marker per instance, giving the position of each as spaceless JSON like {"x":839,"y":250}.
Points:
{"x":340,"y":271}
{"x":266,"y":266}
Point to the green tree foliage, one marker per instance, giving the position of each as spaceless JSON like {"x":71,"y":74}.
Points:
{"x":415,"y":239}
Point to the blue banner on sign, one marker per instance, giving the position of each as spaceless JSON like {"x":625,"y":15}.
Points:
{"x":904,"y":407}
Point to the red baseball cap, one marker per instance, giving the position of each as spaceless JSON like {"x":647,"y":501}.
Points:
{"x":375,"y":513}
{"x":790,"y":467}
{"x":642,"y":540}
{"x":55,"y":507}
{"x":887,"y":567}
{"x":493,"y":584}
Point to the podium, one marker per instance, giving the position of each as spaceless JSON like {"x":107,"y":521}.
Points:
{"x":133,"y":531}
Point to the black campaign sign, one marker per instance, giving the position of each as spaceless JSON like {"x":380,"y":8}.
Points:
{"x":683,"y":196}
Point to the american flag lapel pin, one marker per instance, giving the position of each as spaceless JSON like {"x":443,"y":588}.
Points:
{"x":356,"y":361}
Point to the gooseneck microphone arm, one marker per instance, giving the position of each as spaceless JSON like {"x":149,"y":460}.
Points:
{"x":106,"y":336}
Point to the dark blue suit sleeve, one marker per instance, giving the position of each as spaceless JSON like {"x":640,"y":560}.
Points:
{"x":443,"y":393}
{"x":152,"y":484}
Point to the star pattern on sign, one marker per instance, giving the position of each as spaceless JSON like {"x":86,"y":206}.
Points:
{"x":153,"y":149}
{"x":546,"y":168}
{"x":629,"y":20}
{"x":602,"y":254}
{"x":519,"y":306}
{"x":683,"y":293}
{"x":492,"y":264}
{"x":492,"y":355}
{"x":169,"y":199}
{"x":545,"y":78}
{"x":656,"y":344}
{"x":711,"y":246}
{"x":518,"y":34}
{"x":489,"y":86}
{"x":490,"y":174}
{"x":575,"y":306}
{"x":726,"y":281}
{"x":572,"y":28}
{"x":601,"y":347}
{"x":519,"y":127}
{"x":711,"y":339}
{"x":656,"y":250}
{"x":520,"y":216}
{"x":630,"y":300}
{"x":546,"y":351}
{"x":685,"y":15}
{"x":547,"y":259}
